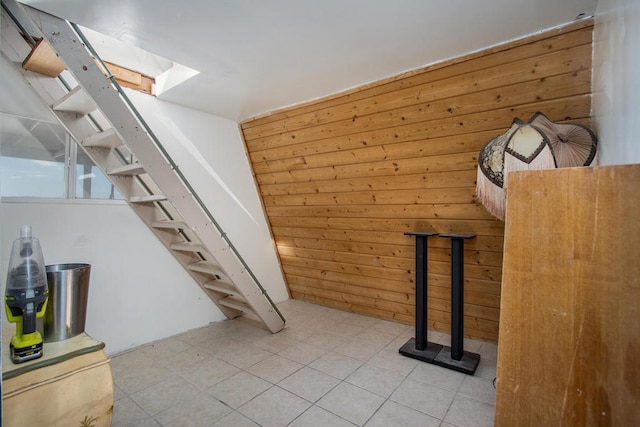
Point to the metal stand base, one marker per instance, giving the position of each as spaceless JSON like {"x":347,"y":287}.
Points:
{"x":467,"y":365}
{"x":453,"y":357}
{"x":426,"y":355}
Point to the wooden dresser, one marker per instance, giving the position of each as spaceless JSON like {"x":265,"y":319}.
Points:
{"x":570,"y":310}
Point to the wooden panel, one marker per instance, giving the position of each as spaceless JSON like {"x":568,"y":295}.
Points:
{"x":537,"y":46}
{"x":343,"y":178}
{"x":570,"y":300}
{"x":43,"y":60}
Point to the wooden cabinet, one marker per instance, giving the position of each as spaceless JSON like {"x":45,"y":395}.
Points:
{"x":569,"y":342}
{"x":71,"y":385}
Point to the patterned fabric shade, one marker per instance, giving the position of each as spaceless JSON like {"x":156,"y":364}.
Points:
{"x":537,"y":144}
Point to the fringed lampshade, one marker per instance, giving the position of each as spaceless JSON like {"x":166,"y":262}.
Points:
{"x":573,"y":144}
{"x":537,"y":144}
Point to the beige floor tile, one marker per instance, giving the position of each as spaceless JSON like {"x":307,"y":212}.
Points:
{"x":149,"y":422}
{"x":223,"y":374}
{"x":486,"y":369}
{"x":242,"y":356}
{"x":213,"y":346}
{"x":201,"y":409}
{"x":423,"y":397}
{"x":391,"y":328}
{"x":181,"y":360}
{"x":394,"y":414}
{"x":471,"y":345}
{"x":299,"y":330}
{"x":489,"y":351}
{"x":126,"y":413}
{"x":134,"y":371}
{"x":275,"y":368}
{"x":275,"y":407}
{"x":309,"y":383}
{"x":478,"y":388}
{"x":118,"y":393}
{"x":437,"y":376}
{"x":173,"y":390}
{"x":303,"y":353}
{"x":351,"y":403}
{"x":166,"y":348}
{"x":318,"y":417}
{"x":247,"y":331}
{"x":339,"y":315}
{"x":343,"y":329}
{"x":360,"y":320}
{"x":438,"y":337}
{"x":336,"y":364}
{"x":239,"y":389}
{"x":467,"y":412}
{"x":376,"y":379}
{"x":377,"y":338}
{"x":325,"y":340}
{"x":358,"y":349}
{"x":394,"y":361}
{"x":208,"y":373}
{"x":399,"y":341}
{"x":235,"y":419}
{"x":274,"y":343}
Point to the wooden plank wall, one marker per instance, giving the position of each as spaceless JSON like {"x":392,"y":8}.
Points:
{"x":343,"y":178}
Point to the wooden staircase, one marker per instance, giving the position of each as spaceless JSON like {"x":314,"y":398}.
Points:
{"x":98,"y":115}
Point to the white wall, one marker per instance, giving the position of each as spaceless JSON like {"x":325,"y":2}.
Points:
{"x":616,"y":82}
{"x":210,"y":153}
{"x":138,"y":292}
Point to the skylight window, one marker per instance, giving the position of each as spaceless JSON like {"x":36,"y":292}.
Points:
{"x":166,"y":73}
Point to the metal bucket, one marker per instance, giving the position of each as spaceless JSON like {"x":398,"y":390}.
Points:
{"x":66,"y":311}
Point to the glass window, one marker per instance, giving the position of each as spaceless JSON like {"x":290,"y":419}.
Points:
{"x":39,"y":159}
{"x":90,"y":182}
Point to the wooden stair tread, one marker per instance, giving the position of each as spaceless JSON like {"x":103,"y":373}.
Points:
{"x":148,"y":199}
{"x":188,"y":246}
{"x":222,"y":287}
{"x":106,"y":139}
{"x":173,"y":224}
{"x":75,"y":101}
{"x":128,"y":170}
{"x":235,"y":304}
{"x":206,"y":267}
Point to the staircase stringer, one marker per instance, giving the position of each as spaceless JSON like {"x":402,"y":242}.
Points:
{"x":159,"y":168}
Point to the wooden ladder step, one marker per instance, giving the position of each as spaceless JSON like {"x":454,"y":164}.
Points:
{"x":235,"y":304}
{"x":76,"y":101}
{"x":188,"y":247}
{"x":206,"y":267}
{"x":127,"y":170}
{"x":172,"y":224}
{"x":221,"y":287}
{"x":106,"y":139}
{"x":148,"y":199}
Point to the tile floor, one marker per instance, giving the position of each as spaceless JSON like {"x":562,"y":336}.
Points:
{"x":326,"y":368}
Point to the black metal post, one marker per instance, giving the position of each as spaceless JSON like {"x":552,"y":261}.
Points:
{"x":419,"y":347}
{"x":457,"y":298}
{"x":455,"y":357}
